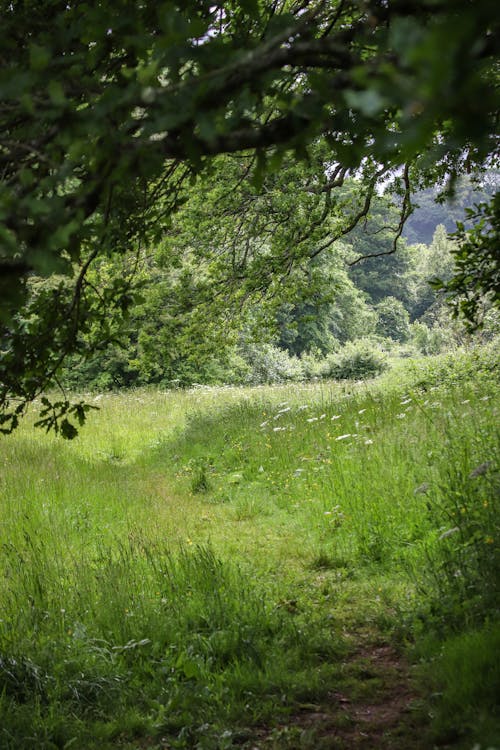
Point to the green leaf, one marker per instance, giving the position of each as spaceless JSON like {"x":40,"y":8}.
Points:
{"x":56,"y":93}
{"x":67,"y":430}
{"x":39,"y":57}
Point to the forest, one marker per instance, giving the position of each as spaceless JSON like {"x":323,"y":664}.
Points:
{"x":249,"y":375}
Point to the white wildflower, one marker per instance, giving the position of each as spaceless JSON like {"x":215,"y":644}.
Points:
{"x":406,"y":401}
{"x":282,"y":411}
{"x":361,"y":411}
{"x":368,"y":442}
{"x":336,"y":416}
{"x":264,"y":423}
{"x":312,"y":419}
{"x":400,"y":416}
{"x":343,"y":437}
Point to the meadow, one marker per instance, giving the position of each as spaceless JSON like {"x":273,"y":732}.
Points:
{"x":303,"y":566}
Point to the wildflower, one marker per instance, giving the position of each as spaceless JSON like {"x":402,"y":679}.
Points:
{"x":361,"y":411}
{"x":485,"y":504}
{"x":368,"y":442}
{"x":343,"y":437}
{"x":488,"y":540}
{"x":480,"y":470}
{"x":448,"y":533}
{"x":485,"y":398}
{"x":312,"y":419}
{"x":304,"y":406}
{"x":322,"y":416}
{"x":336,"y":416}
{"x":278,"y":429}
{"x":466,"y":401}
{"x":264,"y":423}
{"x":405,"y":401}
{"x":401,"y":416}
{"x":282,"y":411}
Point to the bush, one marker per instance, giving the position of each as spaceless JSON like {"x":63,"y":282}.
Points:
{"x":269,"y":364}
{"x":356,"y":361}
{"x":313,"y":365}
{"x":430,"y":340}
{"x":480,"y":364}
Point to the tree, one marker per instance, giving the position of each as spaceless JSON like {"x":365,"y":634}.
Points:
{"x":432,"y":262}
{"x":108,"y":108}
{"x":374,"y":266}
{"x":393,"y":319}
{"x":474,"y":284}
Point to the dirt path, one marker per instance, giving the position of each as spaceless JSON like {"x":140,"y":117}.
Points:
{"x":376,"y":709}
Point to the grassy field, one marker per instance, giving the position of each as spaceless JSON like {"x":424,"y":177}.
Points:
{"x":306,"y":566}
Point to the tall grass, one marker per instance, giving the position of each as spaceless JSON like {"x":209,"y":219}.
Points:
{"x":186,"y":567}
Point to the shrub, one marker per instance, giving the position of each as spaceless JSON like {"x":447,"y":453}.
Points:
{"x":269,"y":364}
{"x":356,"y":361}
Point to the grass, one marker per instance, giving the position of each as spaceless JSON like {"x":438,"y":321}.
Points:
{"x":197,"y":567}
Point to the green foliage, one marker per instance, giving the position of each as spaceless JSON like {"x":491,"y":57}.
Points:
{"x":375,"y":265}
{"x":431,"y":261}
{"x":480,"y":364}
{"x":465,"y":675}
{"x":393,"y":320}
{"x":430,"y":341}
{"x":356,"y":361}
{"x":268,"y":364}
{"x":476,"y":276}
{"x":109,"y":111}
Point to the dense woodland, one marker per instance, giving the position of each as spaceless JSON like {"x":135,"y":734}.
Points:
{"x":359,"y":302}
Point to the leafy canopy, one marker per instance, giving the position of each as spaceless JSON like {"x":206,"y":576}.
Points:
{"x":107,"y":109}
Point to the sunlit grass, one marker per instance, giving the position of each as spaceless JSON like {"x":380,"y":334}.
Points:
{"x":194,"y":555}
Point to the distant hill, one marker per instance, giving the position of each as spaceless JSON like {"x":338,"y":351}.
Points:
{"x":422,"y":224}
